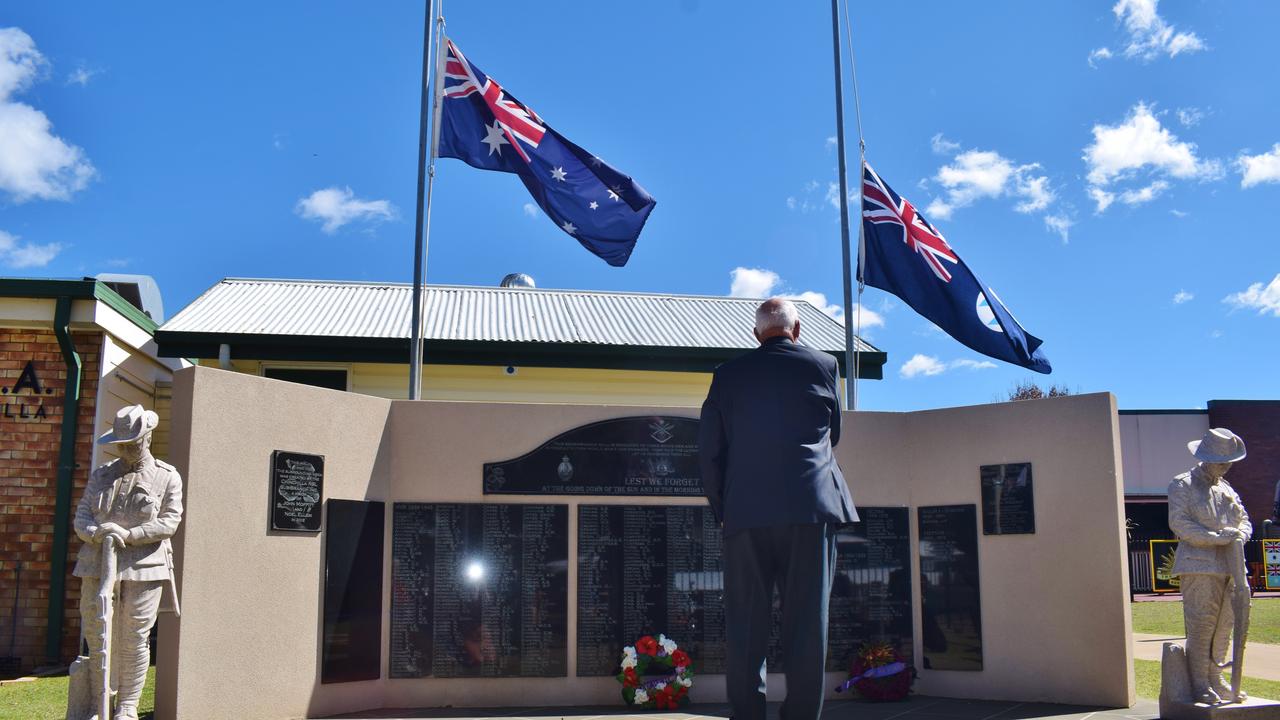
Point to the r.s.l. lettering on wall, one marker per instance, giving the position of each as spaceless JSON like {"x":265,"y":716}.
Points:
{"x":24,"y":400}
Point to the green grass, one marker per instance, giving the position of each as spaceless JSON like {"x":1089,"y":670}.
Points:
{"x":1148,"y":673}
{"x":46,"y":699}
{"x":1165,"y":618}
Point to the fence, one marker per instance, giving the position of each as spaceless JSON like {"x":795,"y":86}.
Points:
{"x":1140,"y":576}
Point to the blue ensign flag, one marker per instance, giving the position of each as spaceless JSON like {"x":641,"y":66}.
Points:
{"x":908,"y":257}
{"x":482,"y":125}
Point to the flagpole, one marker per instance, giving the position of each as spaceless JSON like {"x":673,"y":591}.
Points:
{"x":862,"y":165}
{"x":850,"y":354}
{"x":433,"y":27}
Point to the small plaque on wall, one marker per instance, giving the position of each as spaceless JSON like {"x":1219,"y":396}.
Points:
{"x":297,"y":490}
{"x":1008,"y":506}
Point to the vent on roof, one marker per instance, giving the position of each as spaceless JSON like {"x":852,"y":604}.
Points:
{"x":140,"y":290}
{"x":517,"y":280}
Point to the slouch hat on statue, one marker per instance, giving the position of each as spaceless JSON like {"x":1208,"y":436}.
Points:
{"x":131,"y":423}
{"x":1219,"y":445}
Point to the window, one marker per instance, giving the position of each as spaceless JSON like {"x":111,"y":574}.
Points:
{"x":334,"y":379}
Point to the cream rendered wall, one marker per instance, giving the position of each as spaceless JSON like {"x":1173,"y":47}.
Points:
{"x":1155,"y":448}
{"x":1054,"y":604}
{"x":482,"y":383}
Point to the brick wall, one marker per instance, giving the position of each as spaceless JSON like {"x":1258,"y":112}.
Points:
{"x":28,"y":484}
{"x":1255,"y":477}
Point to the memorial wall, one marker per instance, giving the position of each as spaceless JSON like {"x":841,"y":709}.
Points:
{"x":521,"y":546}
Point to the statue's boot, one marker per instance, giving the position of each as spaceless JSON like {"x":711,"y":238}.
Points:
{"x":1223,"y":688}
{"x":1207,"y":696}
{"x":132,"y":677}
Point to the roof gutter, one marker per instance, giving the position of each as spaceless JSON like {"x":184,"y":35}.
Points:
{"x":66,"y":473}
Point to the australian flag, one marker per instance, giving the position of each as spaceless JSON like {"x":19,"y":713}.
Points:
{"x":907,"y":256}
{"x":482,"y":125}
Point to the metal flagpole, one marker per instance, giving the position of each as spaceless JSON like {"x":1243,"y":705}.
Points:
{"x":862,"y":165}
{"x":433,"y":27}
{"x":850,"y":359}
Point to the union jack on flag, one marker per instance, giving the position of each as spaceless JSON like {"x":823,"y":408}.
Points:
{"x":485,"y":126}
{"x":905,"y":255}
{"x":917,"y":233}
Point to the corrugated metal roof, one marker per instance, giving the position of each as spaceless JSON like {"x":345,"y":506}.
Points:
{"x":319,"y":308}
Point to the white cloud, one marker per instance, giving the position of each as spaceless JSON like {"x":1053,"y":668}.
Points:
{"x":1149,"y":35}
{"x":928,"y":365}
{"x":1258,"y":169}
{"x":761,"y":283}
{"x":943,"y":146}
{"x":82,"y":75}
{"x":977,"y":174}
{"x":17,"y":254}
{"x":807,"y":200}
{"x":752,"y":282}
{"x":1060,"y":224}
{"x":831,"y":143}
{"x":1190,"y":117}
{"x":1182,"y":296}
{"x":921,"y":365}
{"x":530,"y":210}
{"x":34,"y":163}
{"x":1140,"y":144}
{"x":1178,"y":213}
{"x":1144,"y":195}
{"x":1264,"y":299}
{"x":1099,"y":54}
{"x":833,"y":195}
{"x":335,"y":207}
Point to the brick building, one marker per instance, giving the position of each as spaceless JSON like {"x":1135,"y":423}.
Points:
{"x":72,"y":352}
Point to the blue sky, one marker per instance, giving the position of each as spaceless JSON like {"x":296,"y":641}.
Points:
{"x":1109,"y":168}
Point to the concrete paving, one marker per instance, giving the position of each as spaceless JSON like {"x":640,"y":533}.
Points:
{"x":1260,"y":660}
{"x":914,"y":708}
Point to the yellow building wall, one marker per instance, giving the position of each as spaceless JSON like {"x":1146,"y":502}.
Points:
{"x":481,"y":383}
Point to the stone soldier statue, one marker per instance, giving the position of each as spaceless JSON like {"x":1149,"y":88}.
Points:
{"x":1208,"y":518}
{"x":129,"y":510}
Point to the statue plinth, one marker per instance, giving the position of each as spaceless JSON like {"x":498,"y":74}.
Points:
{"x":1176,"y":702}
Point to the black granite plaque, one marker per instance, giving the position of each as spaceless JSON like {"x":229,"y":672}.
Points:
{"x":297,"y":489}
{"x":624,"y":456}
{"x":351,"y":647}
{"x":644,"y":570}
{"x":479,"y":590}
{"x":951,"y":608}
{"x":1008,"y":507}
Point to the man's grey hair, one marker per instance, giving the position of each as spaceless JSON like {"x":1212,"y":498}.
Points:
{"x":776,"y":313}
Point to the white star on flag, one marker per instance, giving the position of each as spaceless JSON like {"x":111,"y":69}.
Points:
{"x":494,"y":139}
{"x":613,"y":195}
{"x":594,"y":205}
{"x":569,"y":227}
{"x":558,"y":174}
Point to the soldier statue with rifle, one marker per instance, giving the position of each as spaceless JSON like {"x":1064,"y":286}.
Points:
{"x":1212,"y":527}
{"x":129,"y":510}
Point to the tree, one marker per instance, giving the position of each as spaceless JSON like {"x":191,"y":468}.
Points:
{"x":1029,"y":390}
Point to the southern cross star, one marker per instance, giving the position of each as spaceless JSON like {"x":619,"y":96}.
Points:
{"x":569,"y":227}
{"x":594,"y":205}
{"x":613,"y":194}
{"x":558,"y":174}
{"x":494,"y":138}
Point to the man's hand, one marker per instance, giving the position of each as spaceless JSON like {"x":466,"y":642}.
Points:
{"x":113,"y":531}
{"x":1229,"y":535}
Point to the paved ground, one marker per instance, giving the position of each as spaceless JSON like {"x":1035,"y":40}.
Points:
{"x":915,"y":708}
{"x":1260,"y":661}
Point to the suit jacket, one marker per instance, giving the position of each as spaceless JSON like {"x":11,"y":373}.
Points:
{"x":765,"y":440}
{"x":147,"y":503}
{"x":1198,"y":512}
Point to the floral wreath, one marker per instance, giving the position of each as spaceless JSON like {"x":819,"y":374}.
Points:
{"x":878,"y":674}
{"x":655,"y":674}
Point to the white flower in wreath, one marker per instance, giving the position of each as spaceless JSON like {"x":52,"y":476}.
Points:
{"x":660,"y":686}
{"x":629,"y":651}
{"x":642,"y":697}
{"x":686,"y":682}
{"x":668,"y":645}
{"x":628,"y":661}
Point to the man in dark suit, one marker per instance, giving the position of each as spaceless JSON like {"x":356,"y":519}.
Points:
{"x":765,"y":441}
